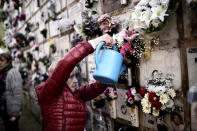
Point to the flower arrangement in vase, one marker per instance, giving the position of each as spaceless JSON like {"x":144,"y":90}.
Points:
{"x":149,"y":17}
{"x":132,"y":97}
{"x":110,"y":93}
{"x":158,"y":94}
{"x":131,"y":45}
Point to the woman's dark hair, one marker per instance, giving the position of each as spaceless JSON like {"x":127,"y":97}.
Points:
{"x":7,"y":56}
{"x":176,"y":114}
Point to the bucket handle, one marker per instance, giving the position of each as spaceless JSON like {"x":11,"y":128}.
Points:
{"x":98,"y":48}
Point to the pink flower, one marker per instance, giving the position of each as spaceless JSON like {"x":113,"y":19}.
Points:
{"x":122,"y":51}
{"x":127,"y":46}
{"x":128,"y":93}
{"x":107,"y":23}
{"x":130,"y":100}
{"x":137,"y":97}
{"x":132,"y":51}
{"x":130,"y":35}
{"x":133,"y":91}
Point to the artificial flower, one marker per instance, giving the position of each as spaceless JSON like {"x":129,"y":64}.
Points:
{"x":130,"y":100}
{"x":110,"y":93}
{"x":146,"y":109}
{"x":158,"y":12}
{"x":133,"y":91}
{"x":156,"y":112}
{"x":171,"y":93}
{"x":164,"y":98}
{"x":170,"y":103}
{"x":137,"y":97}
{"x":142,"y":91}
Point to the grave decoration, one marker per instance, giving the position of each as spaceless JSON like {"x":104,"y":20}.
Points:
{"x":158,"y":94}
{"x":149,"y":17}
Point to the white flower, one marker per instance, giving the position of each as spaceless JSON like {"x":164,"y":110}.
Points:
{"x":146,"y":17}
{"x":143,"y":2}
{"x":138,"y":25}
{"x":133,"y":91}
{"x":170,"y":104}
{"x":164,"y":2}
{"x":171,"y":93}
{"x":154,"y":3}
{"x":164,"y":98}
{"x":145,"y":102}
{"x":146,"y":109}
{"x":163,"y":107}
{"x":153,"y":88}
{"x":136,"y":14}
{"x":118,"y":38}
{"x":158,"y":12}
{"x":156,"y":112}
{"x":156,"y":22}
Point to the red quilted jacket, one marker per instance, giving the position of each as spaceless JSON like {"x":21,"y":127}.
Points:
{"x":63,"y":110}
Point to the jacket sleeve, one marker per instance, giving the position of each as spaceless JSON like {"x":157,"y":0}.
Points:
{"x":14,"y":92}
{"x":55,"y":83}
{"x":91,"y":91}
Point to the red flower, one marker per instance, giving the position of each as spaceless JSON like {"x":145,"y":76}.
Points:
{"x":154,"y":100}
{"x":157,"y":105}
{"x":15,"y":5}
{"x":152,"y":97}
{"x":143,"y":91}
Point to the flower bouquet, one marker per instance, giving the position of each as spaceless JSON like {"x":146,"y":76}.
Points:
{"x":108,"y":24}
{"x":90,"y":26}
{"x":132,"y":97}
{"x":111,"y":94}
{"x":130,"y":45}
{"x":158,"y":94}
{"x":149,"y":17}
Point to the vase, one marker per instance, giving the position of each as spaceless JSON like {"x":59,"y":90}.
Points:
{"x":112,"y":109}
{"x":129,"y":76}
{"x":134,"y":116}
{"x":148,"y":40}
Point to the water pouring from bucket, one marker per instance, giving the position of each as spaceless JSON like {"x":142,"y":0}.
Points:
{"x":108,"y":65}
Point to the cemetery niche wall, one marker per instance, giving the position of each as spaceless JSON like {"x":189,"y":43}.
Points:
{"x":147,"y":34}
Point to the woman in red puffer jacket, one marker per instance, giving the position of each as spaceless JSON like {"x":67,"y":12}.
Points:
{"x":62,"y":105}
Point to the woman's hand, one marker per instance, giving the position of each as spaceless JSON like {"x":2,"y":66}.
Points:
{"x":106,"y":38}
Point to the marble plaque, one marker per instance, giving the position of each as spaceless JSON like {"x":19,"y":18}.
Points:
{"x":74,"y":13}
{"x":57,"y":6}
{"x":167,"y":61}
{"x":192,"y":65}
